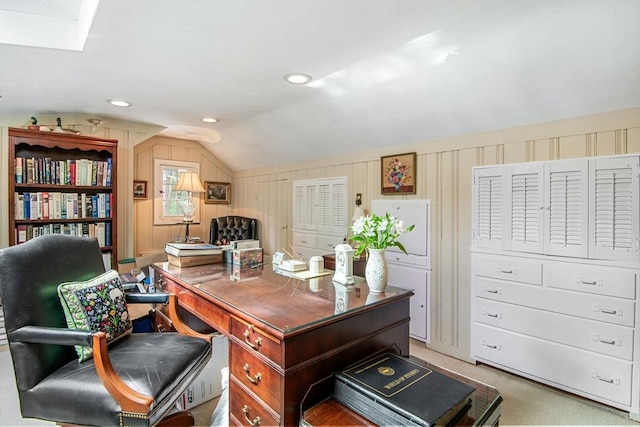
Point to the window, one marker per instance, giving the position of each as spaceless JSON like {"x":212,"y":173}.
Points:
{"x":168,"y":208}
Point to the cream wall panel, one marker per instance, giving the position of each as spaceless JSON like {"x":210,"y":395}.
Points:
{"x":632,"y":141}
{"x":573,"y":146}
{"x":515,"y":153}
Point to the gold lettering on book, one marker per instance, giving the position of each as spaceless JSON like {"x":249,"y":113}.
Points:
{"x":401,"y":379}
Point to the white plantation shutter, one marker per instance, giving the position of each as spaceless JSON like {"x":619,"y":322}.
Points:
{"x":567,"y":207}
{"x":324,"y":206}
{"x":526,"y":202}
{"x":299,"y":214}
{"x":339,"y":214}
{"x":614,"y":233}
{"x":489,"y":193}
{"x":311,"y":213}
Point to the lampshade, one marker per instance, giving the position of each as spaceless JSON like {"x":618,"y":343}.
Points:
{"x":189,"y":181}
{"x":358,"y":211}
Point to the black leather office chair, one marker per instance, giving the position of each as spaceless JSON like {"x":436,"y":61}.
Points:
{"x":226,"y":229}
{"x":133,"y":381}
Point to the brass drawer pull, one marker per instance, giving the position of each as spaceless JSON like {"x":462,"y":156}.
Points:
{"x":257,"y":377}
{"x":258,"y":341}
{"x":256,"y":420}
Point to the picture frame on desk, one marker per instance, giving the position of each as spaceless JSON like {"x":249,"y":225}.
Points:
{"x":217,"y":192}
{"x":139,"y":189}
{"x":398,"y":174}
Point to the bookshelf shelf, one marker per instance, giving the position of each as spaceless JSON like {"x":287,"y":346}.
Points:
{"x":63,"y":183}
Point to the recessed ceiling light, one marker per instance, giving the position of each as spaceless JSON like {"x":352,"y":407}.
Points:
{"x":297,"y":78}
{"x":210,"y":120}
{"x":119,"y":103}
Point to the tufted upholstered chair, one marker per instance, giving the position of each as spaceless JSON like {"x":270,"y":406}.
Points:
{"x":133,"y":381}
{"x":226,"y":229}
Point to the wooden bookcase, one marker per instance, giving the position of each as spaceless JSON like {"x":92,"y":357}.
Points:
{"x":70,"y":183}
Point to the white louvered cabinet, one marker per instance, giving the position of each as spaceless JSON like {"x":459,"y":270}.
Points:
{"x":319,"y":215}
{"x":555,"y":279}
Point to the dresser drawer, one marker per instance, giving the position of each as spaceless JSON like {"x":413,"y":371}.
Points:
{"x":256,"y":375}
{"x":328,"y":244}
{"x":304,"y":240}
{"x":248,"y":410}
{"x":256,"y":341}
{"x":618,"y":311}
{"x":596,"y":279}
{"x":508,"y":268}
{"x":591,"y":335}
{"x":408,"y":259}
{"x":595,"y":374}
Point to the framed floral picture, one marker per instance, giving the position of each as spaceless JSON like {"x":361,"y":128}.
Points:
{"x":139,"y":189}
{"x":398,"y":174}
{"x":217,"y":192}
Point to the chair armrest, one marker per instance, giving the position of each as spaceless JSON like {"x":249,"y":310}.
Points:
{"x":128,"y":399}
{"x":49,"y":335}
{"x":178,"y":324}
{"x":155,"y":297}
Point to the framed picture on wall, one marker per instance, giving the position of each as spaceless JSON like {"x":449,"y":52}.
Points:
{"x":139,"y":189}
{"x":398,"y":174}
{"x":217,"y":192}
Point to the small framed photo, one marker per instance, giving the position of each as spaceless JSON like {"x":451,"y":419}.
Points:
{"x":217,"y":192}
{"x":398,"y":174}
{"x":139,"y":189}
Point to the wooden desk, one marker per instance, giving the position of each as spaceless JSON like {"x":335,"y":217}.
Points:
{"x":286,"y":334}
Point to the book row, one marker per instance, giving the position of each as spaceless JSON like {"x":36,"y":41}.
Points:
{"x":101,"y":230}
{"x":33,"y":170}
{"x":56,"y":205}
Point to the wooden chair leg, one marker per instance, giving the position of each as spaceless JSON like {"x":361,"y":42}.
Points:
{"x":179,"y":419}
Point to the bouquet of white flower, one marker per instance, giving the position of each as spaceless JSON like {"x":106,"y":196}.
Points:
{"x":378,"y":232}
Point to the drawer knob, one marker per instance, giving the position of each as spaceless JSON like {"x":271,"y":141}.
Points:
{"x":493,"y":346}
{"x":615,"y":381}
{"x":255,"y":421}
{"x":257,"y":377}
{"x":246,"y":334}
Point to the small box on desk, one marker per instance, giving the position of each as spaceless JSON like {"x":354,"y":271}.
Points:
{"x":247,"y":257}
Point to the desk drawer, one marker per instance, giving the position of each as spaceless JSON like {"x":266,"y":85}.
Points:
{"x":304,"y":240}
{"x":256,"y":375}
{"x":247,"y":410}
{"x":256,"y":341}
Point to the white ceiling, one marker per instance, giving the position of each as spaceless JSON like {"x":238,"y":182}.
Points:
{"x":385,"y":72}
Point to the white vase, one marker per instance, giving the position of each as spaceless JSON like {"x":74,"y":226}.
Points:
{"x":376,"y":271}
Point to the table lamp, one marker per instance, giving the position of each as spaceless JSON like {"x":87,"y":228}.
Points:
{"x":189,"y":182}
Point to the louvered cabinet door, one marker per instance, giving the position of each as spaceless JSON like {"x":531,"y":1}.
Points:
{"x":489,"y":193}
{"x":567,"y":208}
{"x":614,"y":230}
{"x":526,"y":202}
{"x":332,"y":206}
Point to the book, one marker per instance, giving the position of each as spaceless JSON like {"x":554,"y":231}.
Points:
{"x":192,"y":249}
{"x":393,"y":390}
{"x":192,"y":261}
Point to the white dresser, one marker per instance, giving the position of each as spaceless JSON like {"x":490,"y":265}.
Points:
{"x":555,"y":268}
{"x":413,"y":269}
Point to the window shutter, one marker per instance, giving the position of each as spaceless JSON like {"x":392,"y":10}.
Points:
{"x":567,"y":206}
{"x":526,"y":201}
{"x":615,"y":206}
{"x":489,"y":193}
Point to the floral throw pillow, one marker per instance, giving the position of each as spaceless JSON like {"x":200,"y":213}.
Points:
{"x":96,"y":305}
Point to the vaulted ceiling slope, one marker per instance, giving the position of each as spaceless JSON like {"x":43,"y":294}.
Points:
{"x":384,"y":72}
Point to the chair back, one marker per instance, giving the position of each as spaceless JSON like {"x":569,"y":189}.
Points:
{"x":231,"y":228}
{"x":29,"y":277}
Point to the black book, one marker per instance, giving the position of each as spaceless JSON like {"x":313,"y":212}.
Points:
{"x":393,"y":390}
